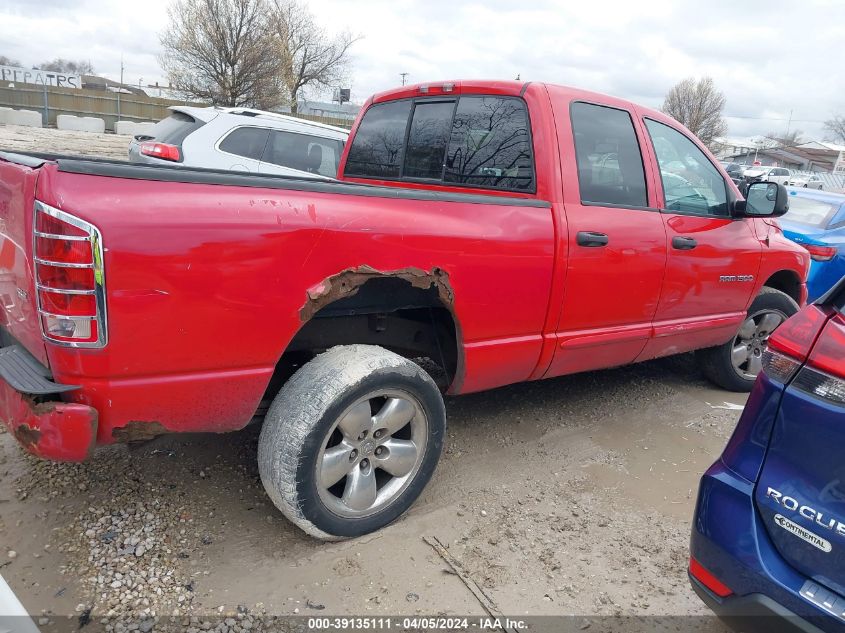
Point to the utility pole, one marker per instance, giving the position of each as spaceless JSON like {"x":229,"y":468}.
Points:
{"x":789,"y":123}
{"x":403,"y":77}
{"x":120,"y":88}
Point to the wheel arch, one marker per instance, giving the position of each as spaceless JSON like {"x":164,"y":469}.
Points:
{"x":788,"y":282}
{"x":409,"y":311}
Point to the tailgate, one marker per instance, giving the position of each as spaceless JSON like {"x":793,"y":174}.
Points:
{"x":18,"y":175}
{"x":801,"y":490}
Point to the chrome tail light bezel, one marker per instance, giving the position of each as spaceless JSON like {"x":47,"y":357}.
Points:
{"x":95,"y":239}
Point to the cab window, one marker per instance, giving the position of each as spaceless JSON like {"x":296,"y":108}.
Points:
{"x":471,"y":141}
{"x":691,"y":183}
{"x":490,"y":145}
{"x":427,"y":139}
{"x":377,"y":149}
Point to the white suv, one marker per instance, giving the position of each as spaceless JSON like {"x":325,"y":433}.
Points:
{"x":240,"y":139}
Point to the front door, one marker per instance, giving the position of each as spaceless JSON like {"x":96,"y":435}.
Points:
{"x":617,"y":242}
{"x":713,"y":259}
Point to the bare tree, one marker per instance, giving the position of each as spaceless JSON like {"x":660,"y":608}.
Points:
{"x":60,"y":65}
{"x":698,"y":105}
{"x":8,"y":61}
{"x":836,"y":128}
{"x":309,"y":58}
{"x":221,"y":51}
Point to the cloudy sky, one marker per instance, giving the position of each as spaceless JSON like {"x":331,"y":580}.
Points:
{"x":771,"y":59}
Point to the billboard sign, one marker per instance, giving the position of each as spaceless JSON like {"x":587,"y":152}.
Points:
{"x":33,"y":76}
{"x":341,"y":95}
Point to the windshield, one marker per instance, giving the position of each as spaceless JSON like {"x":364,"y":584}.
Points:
{"x":810,"y":212}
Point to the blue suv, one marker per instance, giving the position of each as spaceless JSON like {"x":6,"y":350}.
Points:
{"x":768,"y":538}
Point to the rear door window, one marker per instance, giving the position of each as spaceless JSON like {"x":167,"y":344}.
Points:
{"x":610,"y":165}
{"x":377,"y":150}
{"x":248,"y":142}
{"x":691,"y":183}
{"x":312,"y":154}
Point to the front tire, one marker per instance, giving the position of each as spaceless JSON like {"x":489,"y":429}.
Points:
{"x":734,"y":366}
{"x":351,"y":440}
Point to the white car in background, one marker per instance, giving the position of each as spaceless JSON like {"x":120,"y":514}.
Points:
{"x":807,"y":182}
{"x":758,"y":173}
{"x":241,"y":139}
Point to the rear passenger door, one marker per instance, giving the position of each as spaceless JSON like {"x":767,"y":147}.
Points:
{"x":713,"y":258}
{"x":617,"y":242}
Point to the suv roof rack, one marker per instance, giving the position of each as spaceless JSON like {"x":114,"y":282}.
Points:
{"x":252,"y":112}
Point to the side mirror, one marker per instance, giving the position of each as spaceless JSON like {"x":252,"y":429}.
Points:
{"x":763,"y":199}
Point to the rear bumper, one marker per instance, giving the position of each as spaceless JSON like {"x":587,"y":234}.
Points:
{"x":53,"y":429}
{"x":754,"y":613}
{"x":824,"y":275}
{"x":730,"y":540}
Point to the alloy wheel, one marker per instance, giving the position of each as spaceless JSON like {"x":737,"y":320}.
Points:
{"x":371,"y":454}
{"x":751,"y":341}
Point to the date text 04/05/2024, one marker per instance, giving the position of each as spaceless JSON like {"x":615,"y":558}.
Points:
{"x":413,"y":623}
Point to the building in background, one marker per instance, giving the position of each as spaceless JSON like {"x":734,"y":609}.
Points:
{"x":332,"y":110}
{"x":725,"y":147}
{"x":812,"y":156}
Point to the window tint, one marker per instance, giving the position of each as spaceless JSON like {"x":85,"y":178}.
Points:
{"x":376,"y":151}
{"x":610,"y":166}
{"x":248,"y":142}
{"x":313,"y":154}
{"x":691,"y":184}
{"x":427,"y":139}
{"x":490,"y":145}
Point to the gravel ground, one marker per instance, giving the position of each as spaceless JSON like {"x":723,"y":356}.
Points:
{"x":564,"y":497}
{"x":570,"y":496}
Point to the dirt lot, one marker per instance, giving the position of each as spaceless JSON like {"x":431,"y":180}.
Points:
{"x":571,"y":496}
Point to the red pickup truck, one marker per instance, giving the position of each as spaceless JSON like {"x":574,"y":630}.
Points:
{"x":480,"y":234}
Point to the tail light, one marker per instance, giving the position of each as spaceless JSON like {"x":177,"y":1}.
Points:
{"x":796,"y":336}
{"x":820,"y":253}
{"x":824,"y":374}
{"x":161,"y":150}
{"x":69,"y":278}
{"x":821,"y":385}
{"x":789,"y":345}
{"x":779,"y":366}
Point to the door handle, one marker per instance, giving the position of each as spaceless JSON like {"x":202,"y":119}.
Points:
{"x":591,"y":239}
{"x":684,"y":243}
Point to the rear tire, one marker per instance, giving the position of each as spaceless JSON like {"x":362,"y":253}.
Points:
{"x":351,"y":440}
{"x":734,"y":366}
